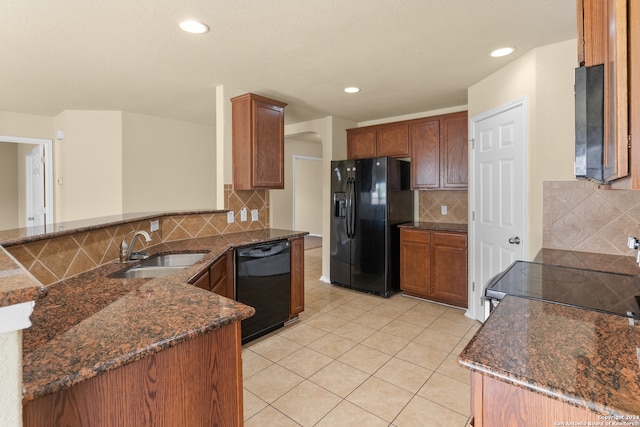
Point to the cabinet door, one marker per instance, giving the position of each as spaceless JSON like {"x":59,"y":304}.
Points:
{"x":268,"y":139}
{"x":455,"y":151}
{"x":392,"y":140}
{"x":424,"y":138}
{"x":415,"y":262}
{"x":203,"y":282}
{"x":218,"y":276}
{"x":361,"y":143}
{"x":449,"y":280}
{"x":297,"y":277}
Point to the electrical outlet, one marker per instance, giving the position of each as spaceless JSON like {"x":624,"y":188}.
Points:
{"x":243,"y":214}
{"x":443,"y":209}
{"x":230,"y":217}
{"x":254,"y":214}
{"x":154,"y":225}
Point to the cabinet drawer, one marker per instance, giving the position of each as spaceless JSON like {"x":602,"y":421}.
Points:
{"x":218,"y":270}
{"x":450,"y":240}
{"x":415,"y":236}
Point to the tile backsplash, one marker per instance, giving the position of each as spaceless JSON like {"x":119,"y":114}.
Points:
{"x":54,"y":259}
{"x":430,"y":202}
{"x":579,"y":216}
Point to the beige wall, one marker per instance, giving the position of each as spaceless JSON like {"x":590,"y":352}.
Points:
{"x":282,"y":200}
{"x":88,"y":165}
{"x":9,"y":207}
{"x":308,"y":195}
{"x":545,"y":77}
{"x":167,"y":164}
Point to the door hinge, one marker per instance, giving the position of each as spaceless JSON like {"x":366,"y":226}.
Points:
{"x":629,"y":141}
{"x":473,"y":143}
{"x":42,"y":159}
{"x":473,"y":215}
{"x":473,"y":286}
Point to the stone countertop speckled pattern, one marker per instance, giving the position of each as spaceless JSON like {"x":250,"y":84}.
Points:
{"x":582,"y":357}
{"x":91,"y":323}
{"x":437,"y":226}
{"x":17,"y":285}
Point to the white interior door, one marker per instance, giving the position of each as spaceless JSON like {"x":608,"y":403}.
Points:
{"x":35,"y":187}
{"x":499,"y":202}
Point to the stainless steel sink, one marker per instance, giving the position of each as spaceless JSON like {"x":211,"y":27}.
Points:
{"x":160,"y":265}
{"x":172,"y":260}
{"x":148,"y":272}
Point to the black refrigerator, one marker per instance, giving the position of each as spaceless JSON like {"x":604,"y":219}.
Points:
{"x":370,"y":197}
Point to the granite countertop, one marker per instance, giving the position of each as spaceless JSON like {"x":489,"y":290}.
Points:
{"x":582,"y":357}
{"x":436,"y":226}
{"x":91,"y":323}
{"x":17,"y":285}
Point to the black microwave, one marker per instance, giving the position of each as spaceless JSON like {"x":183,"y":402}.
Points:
{"x":589,"y":97}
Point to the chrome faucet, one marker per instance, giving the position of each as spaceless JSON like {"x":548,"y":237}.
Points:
{"x":126,"y":250}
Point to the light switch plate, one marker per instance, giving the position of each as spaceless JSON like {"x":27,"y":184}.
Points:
{"x":230,"y":217}
{"x":243,"y":214}
{"x":254,"y":214}
{"x":443,"y":209}
{"x":154,"y":225}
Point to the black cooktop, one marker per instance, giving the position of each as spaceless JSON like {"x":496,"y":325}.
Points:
{"x":595,"y":290}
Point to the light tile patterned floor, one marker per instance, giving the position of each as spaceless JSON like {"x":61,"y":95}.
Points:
{"x":359,"y":360}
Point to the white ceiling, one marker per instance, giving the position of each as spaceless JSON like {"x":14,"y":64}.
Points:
{"x":407,"y":56}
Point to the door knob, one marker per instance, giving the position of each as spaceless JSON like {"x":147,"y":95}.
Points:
{"x":30,"y":218}
{"x":514,"y":240}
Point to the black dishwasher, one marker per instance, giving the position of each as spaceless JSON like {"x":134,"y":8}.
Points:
{"x":263,"y":281}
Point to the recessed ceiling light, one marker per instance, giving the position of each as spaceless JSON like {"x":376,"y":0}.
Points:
{"x":352,"y":89}
{"x":194,"y":27}
{"x":503,"y":51}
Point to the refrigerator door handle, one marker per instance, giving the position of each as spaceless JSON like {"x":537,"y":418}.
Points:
{"x":352,"y":208}
{"x":347,"y":220}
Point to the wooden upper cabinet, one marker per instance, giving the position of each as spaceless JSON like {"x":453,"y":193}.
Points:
{"x":591,"y":32}
{"x":455,"y":151}
{"x":258,"y":142}
{"x":361,"y":143}
{"x":424,"y":140}
{"x":392,"y":140}
{"x":604,"y":37}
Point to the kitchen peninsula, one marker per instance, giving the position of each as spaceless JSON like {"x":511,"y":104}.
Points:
{"x":111,"y":351}
{"x":539,"y":363}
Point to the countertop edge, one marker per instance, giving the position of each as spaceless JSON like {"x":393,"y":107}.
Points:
{"x":437,"y":226}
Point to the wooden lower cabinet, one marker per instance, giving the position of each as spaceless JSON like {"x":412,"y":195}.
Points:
{"x":297,"y":277}
{"x":497,"y":403}
{"x":218,"y":278}
{"x":433,"y":265}
{"x":196,"y":383}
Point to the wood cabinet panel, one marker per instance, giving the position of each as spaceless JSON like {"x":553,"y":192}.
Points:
{"x":258,"y":142}
{"x":424,"y":140}
{"x":392,"y":140}
{"x":219,"y":278}
{"x":433,"y":265}
{"x":415,"y":264}
{"x":297,"y":277}
{"x":497,"y":403}
{"x":361,"y":143}
{"x":455,"y":151}
{"x":449,"y":281}
{"x":203,"y":282}
{"x":196,"y":383}
{"x":591,"y":31}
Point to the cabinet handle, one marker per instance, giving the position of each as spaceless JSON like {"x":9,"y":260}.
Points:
{"x":514,"y":240}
